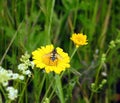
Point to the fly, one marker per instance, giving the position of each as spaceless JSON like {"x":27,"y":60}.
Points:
{"x":53,"y":55}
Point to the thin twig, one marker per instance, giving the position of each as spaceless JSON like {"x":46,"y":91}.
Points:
{"x":10,"y":45}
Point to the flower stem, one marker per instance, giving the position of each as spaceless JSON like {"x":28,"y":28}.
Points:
{"x":59,"y":88}
{"x":73,"y":53}
{"x":46,"y":93}
{"x":40,"y":87}
{"x":54,"y":88}
{"x":22,"y":93}
{"x":96,"y":80}
{"x":2,"y":92}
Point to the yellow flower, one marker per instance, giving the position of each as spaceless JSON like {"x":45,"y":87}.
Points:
{"x":79,"y":39}
{"x":51,"y":59}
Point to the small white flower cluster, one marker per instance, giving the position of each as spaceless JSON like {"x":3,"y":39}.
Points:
{"x":6,"y":75}
{"x":26,"y":63}
{"x":12,"y":93}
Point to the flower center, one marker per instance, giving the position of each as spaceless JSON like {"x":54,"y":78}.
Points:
{"x":78,"y":39}
{"x":50,"y":59}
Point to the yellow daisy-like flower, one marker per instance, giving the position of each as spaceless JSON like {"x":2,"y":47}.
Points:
{"x":79,"y":39}
{"x":51,"y":59}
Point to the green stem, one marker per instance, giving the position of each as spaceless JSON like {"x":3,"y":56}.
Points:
{"x":83,"y":92}
{"x":3,"y":57}
{"x":96,"y":80}
{"x":73,"y":53}
{"x":75,"y":15}
{"x":52,"y":94}
{"x":107,"y":51}
{"x":97,"y":75}
{"x":54,"y":88}
{"x":21,"y":95}
{"x":47,"y":91}
{"x":3,"y":92}
{"x":40,"y":87}
{"x":49,"y":16}
{"x":59,"y":88}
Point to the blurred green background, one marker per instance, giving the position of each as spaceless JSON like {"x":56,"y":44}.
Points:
{"x":28,"y":24}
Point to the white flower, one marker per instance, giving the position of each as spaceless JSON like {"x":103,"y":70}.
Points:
{"x":10,"y":73}
{"x":26,"y":63}
{"x":27,"y":72}
{"x":24,"y":58}
{"x":21,"y":77}
{"x":12,"y":93}
{"x":5,"y":83}
{"x":32,"y":64}
{"x":4,"y":77}
{"x":15,"y":76}
{"x":104,"y":74}
{"x":22,"y":67}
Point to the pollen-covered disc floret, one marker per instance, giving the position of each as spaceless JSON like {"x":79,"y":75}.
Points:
{"x":51,"y":59}
{"x":79,"y":39}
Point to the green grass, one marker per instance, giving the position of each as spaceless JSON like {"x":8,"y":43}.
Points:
{"x":25,"y":25}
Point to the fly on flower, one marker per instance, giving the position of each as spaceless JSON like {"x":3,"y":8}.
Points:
{"x":51,"y":59}
{"x":53,"y":55}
